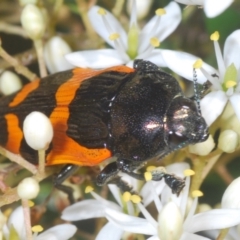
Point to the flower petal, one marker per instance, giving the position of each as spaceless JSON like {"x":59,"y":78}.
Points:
{"x":168,"y":24}
{"x":116,"y":193}
{"x":100,"y":27}
{"x":130,"y":223}
{"x":213,"y":8}
{"x":212,"y":106}
{"x":182,"y":64}
{"x":17,"y":220}
{"x":102,"y":58}
{"x":87,"y":209}
{"x":232,"y":49}
{"x":155,"y":57}
{"x":146,"y":191}
{"x":110,"y":231}
{"x":231,"y":198}
{"x":235,"y":100}
{"x":59,"y":232}
{"x":213,"y":219}
{"x":190,"y":2}
{"x":187,"y":236}
{"x":153,"y":238}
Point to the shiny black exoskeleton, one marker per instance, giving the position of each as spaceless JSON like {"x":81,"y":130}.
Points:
{"x":147,"y":117}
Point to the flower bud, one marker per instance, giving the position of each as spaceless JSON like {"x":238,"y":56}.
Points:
{"x":231,"y":196}
{"x":54,"y":55}
{"x":9,"y":83}
{"x":28,"y":188}
{"x":228,"y":141}
{"x":170,"y":222}
{"x":33,"y":21}
{"x":203,"y":148}
{"x":38,"y":131}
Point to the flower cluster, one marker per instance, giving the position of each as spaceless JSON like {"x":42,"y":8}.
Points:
{"x":119,"y":34}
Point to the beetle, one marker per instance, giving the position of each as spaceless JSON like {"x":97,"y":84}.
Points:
{"x":134,"y":114}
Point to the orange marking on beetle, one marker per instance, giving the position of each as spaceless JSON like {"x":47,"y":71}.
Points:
{"x":24,"y":93}
{"x":65,"y":149}
{"x":15,"y":133}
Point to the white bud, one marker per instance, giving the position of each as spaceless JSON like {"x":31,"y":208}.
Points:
{"x":231,"y":196}
{"x":9,"y":83}
{"x":203,"y":148}
{"x":228,"y":141}
{"x":28,"y":188}
{"x":170,"y":222}
{"x":33,"y":21}
{"x":54,"y":55}
{"x":38,"y":131}
{"x":143,"y":7}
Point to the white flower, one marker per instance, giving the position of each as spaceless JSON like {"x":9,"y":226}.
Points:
{"x":225,"y":81}
{"x":16,"y":219}
{"x":231,"y":197}
{"x":98,"y":207}
{"x":193,"y":223}
{"x":120,"y":222}
{"x":212,"y":8}
{"x":131,"y":45}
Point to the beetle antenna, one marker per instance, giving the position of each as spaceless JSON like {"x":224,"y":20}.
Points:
{"x":196,"y":92}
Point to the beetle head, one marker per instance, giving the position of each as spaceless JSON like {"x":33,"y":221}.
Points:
{"x":184,"y":124}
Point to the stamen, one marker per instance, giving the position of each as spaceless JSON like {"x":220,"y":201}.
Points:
{"x":154,"y":42}
{"x":188,"y":172}
{"x":198,"y":64}
{"x":156,"y":199}
{"x":135,"y":198}
{"x":126,"y":196}
{"x":147,"y":215}
{"x":37,"y":228}
{"x":114,"y":36}
{"x":221,"y":66}
{"x":89,"y":189}
{"x":31,"y":203}
{"x":151,"y":168}
{"x":161,"y":169}
{"x":148,"y":176}
{"x":215,"y":36}
{"x":160,"y":12}
{"x":197,"y":193}
{"x":101,"y":11}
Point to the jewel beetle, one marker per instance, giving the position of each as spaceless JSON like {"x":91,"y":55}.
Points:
{"x":134,"y":114}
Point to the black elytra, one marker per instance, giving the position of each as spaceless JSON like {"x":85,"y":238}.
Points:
{"x":145,"y":115}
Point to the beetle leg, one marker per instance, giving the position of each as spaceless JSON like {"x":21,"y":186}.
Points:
{"x":109,"y":175}
{"x":59,"y":178}
{"x":174,"y":182}
{"x":129,"y":167}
